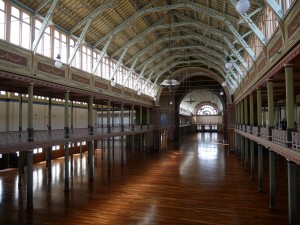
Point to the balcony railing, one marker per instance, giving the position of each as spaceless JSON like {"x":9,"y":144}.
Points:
{"x":254,"y":130}
{"x":296,"y":141}
{"x":279,"y":136}
{"x":264,"y":133}
{"x":14,"y":138}
{"x":248,"y":129}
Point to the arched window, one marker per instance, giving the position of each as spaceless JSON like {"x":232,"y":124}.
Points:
{"x":207,"y":110}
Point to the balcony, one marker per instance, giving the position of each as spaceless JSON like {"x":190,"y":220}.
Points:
{"x":277,"y":140}
{"x":15,"y":140}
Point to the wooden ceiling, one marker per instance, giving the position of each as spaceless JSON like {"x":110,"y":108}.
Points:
{"x":153,"y":31}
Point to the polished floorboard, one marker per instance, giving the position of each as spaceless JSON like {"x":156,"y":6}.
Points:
{"x":195,"y":181}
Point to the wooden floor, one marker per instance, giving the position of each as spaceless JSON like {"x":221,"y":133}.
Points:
{"x":194,"y":182}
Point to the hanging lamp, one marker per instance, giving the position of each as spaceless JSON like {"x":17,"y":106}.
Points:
{"x":242,"y":6}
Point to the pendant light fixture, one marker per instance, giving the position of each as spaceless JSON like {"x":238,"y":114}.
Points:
{"x":58,"y":63}
{"x":170,"y":83}
{"x":190,"y":100}
{"x":242,"y":6}
{"x":228,"y":64}
{"x":112,"y":82}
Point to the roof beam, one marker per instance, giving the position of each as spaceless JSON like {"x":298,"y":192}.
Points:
{"x":92,"y":15}
{"x":125,"y":23}
{"x":41,"y":5}
{"x":146,"y":10}
{"x":252,"y":25}
{"x":44,"y":26}
{"x":237,"y":54}
{"x":119,"y":63}
{"x":164,"y":51}
{"x":139,"y":77}
{"x":165,"y":26}
{"x":148,"y":80}
{"x":277,"y":9}
{"x":193,"y":61}
{"x":103,"y":52}
{"x":130,"y":71}
{"x":79,"y":41}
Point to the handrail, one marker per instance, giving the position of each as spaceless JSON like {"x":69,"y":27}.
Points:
{"x":296,"y":140}
{"x":264,"y":133}
{"x":279,"y":136}
{"x":13,"y":139}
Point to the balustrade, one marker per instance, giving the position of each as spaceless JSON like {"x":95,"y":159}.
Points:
{"x":296,"y":141}
{"x":9,"y":139}
{"x":254,"y":130}
{"x":248,"y":129}
{"x":264,"y":133}
{"x":279,"y":136}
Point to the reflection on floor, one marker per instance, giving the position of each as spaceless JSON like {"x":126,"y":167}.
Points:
{"x":194,"y":181}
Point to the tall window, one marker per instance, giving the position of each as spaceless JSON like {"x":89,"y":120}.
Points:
{"x":20,"y":28}
{"x":106,"y":67}
{"x":96,"y":55}
{"x":287,"y":4}
{"x":60,"y":46}
{"x":44,"y":46}
{"x":86,"y":59}
{"x":2,"y":19}
{"x":207,"y":110}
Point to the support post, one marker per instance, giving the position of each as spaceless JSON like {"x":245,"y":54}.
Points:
{"x":30,"y":179}
{"x":272,"y":177}
{"x":260,"y":168}
{"x":30,"y":153}
{"x":270,"y":108}
{"x":49,"y":149}
{"x":292,"y":192}
{"x":20,"y":159}
{"x":90,"y":143}
{"x":122,"y":136}
{"x":67,"y":136}
{"x":289,"y":89}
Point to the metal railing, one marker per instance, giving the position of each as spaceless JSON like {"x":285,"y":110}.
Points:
{"x":279,"y":136}
{"x":248,"y":129}
{"x":255,"y":130}
{"x":264,"y":133}
{"x":296,"y":141}
{"x":13,"y":138}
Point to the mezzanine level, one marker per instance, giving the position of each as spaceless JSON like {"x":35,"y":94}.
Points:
{"x":18,"y":140}
{"x":273,"y":139}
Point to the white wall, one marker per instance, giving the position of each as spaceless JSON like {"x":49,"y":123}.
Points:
{"x":9,"y":116}
{"x":207,"y":119}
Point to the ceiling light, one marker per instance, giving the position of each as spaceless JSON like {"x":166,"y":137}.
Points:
{"x":191,"y":100}
{"x":242,"y":6}
{"x":112,"y":82}
{"x":221,"y":93}
{"x":139,"y":92}
{"x":228,"y":65}
{"x":170,"y":83}
{"x":224,"y":83}
{"x":58,"y":63}
{"x":154,"y":98}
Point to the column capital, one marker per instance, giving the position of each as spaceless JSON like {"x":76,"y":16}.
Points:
{"x":270,"y":80}
{"x":290,"y":162}
{"x":289,"y":65}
